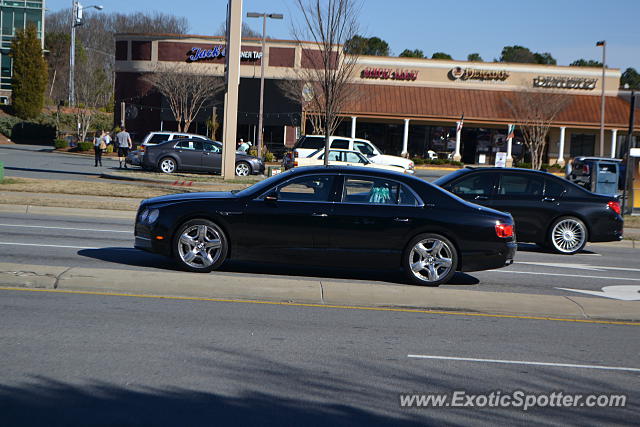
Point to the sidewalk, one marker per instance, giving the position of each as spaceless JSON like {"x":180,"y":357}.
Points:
{"x":313,"y":291}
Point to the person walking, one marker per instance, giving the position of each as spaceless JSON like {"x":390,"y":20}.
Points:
{"x":98,"y":147}
{"x":124,"y":145}
{"x":107,"y":138}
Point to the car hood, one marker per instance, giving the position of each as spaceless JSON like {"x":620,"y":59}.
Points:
{"x":386,"y":159}
{"x":172,"y":198}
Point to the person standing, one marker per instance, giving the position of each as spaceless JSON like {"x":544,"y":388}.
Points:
{"x":243,"y":146}
{"x":107,"y":138}
{"x":124,"y":145}
{"x":98,"y":147}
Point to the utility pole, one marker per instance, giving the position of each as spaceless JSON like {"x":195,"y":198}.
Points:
{"x":602,"y":43}
{"x":627,"y":192}
{"x":232,"y":80}
{"x":264,"y":17}
{"x":77,"y":19}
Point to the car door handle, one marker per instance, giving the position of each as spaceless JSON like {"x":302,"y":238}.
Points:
{"x":401,"y":219}
{"x":319,"y":214}
{"x":481,"y":198}
{"x":549,"y":199}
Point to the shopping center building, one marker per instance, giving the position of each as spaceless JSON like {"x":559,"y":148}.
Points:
{"x":404,"y":105}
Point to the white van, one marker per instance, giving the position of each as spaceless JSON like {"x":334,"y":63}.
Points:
{"x":308,"y":144}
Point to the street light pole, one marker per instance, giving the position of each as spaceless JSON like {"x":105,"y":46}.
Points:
{"x":627,"y":192}
{"x":602,"y":43}
{"x":76,"y":21}
{"x":264,"y":17}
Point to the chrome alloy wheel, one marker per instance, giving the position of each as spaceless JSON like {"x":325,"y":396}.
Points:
{"x":168,"y":165}
{"x":200,"y":246}
{"x":243,"y":169}
{"x":568,"y":235}
{"x":430,"y":260}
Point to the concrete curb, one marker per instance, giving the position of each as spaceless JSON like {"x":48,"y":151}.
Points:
{"x":52,"y":210}
{"x":257,"y":287}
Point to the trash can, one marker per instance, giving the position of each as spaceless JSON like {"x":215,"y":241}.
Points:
{"x":274,"y":170}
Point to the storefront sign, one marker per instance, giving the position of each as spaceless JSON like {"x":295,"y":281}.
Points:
{"x":459,"y":73}
{"x":388,"y":74}
{"x":198,"y":54}
{"x":565,"y":82}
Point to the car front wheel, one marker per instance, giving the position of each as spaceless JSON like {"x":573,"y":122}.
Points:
{"x":168,"y":165}
{"x":430,"y":259}
{"x":243,"y":169}
{"x":568,"y":235}
{"x":200,"y":246}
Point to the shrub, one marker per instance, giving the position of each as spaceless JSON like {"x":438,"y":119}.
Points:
{"x":109,"y":148}
{"x":523,"y":165}
{"x":252,"y":152}
{"x":85,"y":146}
{"x":456,"y":163}
{"x":269,"y":156}
{"x":417,"y":160}
{"x":60,"y":143}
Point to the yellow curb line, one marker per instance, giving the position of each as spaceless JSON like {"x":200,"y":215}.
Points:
{"x":295,"y":304}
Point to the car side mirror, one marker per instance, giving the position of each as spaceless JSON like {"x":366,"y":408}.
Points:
{"x":271,"y":198}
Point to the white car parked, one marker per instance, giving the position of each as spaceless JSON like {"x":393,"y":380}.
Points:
{"x":308,"y":144}
{"x":343,"y":158}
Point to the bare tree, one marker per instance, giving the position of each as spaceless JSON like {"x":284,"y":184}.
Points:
{"x":185,"y":90}
{"x":93,"y":90}
{"x":326,"y":74}
{"x":534,"y":110}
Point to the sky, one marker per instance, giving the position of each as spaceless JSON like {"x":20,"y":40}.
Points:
{"x":568,"y":29}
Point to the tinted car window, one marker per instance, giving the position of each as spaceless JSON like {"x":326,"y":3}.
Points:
{"x":212,"y":148}
{"x":314,"y":142}
{"x":364,"y":148}
{"x":476,"y":183}
{"x":197,"y":145}
{"x":184,"y":145}
{"x":340,"y":144}
{"x":520,"y":185}
{"x":157,"y":138}
{"x":307,"y":189}
{"x":553,"y":187}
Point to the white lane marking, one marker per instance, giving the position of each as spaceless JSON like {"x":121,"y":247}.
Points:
{"x":64,"y":228}
{"x":577,"y":266}
{"x":46,"y":246}
{"x":563,"y":275}
{"x":622,"y":293}
{"x":524,"y":362}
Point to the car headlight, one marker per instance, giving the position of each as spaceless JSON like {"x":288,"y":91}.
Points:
{"x":144,"y":215}
{"x":153,"y":216}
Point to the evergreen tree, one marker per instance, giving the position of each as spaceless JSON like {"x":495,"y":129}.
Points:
{"x":415,"y":53}
{"x":441,"y":55}
{"x":29,"y":74}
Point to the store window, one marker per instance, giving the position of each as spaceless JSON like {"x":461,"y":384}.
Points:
{"x":582,"y":145}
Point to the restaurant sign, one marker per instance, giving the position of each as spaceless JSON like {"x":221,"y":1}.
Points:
{"x":388,"y":74}
{"x":459,"y":73}
{"x":565,"y":82}
{"x":198,"y":54}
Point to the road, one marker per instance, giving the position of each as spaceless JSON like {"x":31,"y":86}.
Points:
{"x":71,"y":359}
{"x":107,"y":243}
{"x":35,"y":161}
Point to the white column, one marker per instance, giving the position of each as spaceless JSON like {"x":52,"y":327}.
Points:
{"x":614,"y":137}
{"x":560,"y":160}
{"x":405,"y":138}
{"x":353,"y":126}
{"x":509,"y":149}
{"x":456,"y":155}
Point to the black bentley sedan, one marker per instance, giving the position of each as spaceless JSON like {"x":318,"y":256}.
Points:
{"x":197,"y":155}
{"x":548,"y":210}
{"x":335,"y":215}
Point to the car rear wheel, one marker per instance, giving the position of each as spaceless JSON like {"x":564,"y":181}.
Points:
{"x":200,"y":246}
{"x":568,"y":235}
{"x":243,"y":169}
{"x":430,"y":259}
{"x":168,"y":165}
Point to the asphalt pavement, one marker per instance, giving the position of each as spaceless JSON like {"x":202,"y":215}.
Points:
{"x":109,"y":360}
{"x":95,"y":242}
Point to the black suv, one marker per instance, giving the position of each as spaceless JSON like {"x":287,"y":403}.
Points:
{"x":547,"y":210}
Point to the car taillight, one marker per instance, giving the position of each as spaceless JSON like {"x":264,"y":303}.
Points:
{"x":614,"y":206}
{"x":504,"y":230}
{"x":295,"y":154}
{"x":585,"y":169}
{"x":141,"y":148}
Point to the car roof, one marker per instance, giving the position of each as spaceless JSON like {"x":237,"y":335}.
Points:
{"x":344,"y":169}
{"x":587,"y":158}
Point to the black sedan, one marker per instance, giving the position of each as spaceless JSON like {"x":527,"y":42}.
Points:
{"x":548,"y":210}
{"x":196,"y":155}
{"x":335,"y":215}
